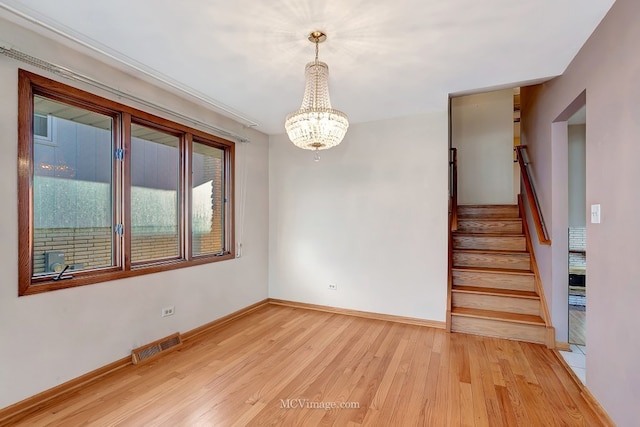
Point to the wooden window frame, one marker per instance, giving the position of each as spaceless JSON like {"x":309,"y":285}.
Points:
{"x":182,"y":173}
{"x":30,"y":84}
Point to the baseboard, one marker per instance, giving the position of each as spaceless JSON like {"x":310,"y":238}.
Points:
{"x":31,"y":404}
{"x":364,"y":314}
{"x":563,"y":346}
{"x":223,"y":320}
{"x":18,"y":410}
{"x":551,"y":336}
{"x":584,"y":391}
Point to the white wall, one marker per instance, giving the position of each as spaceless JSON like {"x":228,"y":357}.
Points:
{"x":371,"y":216}
{"x":482,"y":131}
{"x":577,"y":175}
{"x":47,"y":339}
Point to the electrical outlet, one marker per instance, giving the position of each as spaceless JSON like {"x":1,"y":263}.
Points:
{"x":168,"y":311}
{"x":333,"y":287}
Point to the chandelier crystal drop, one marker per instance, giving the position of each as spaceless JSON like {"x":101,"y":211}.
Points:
{"x":316,"y":125}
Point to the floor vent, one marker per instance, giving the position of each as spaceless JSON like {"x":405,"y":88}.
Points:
{"x":154,"y":349}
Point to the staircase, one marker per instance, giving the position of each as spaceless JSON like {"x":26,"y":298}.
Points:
{"x":493,"y":289}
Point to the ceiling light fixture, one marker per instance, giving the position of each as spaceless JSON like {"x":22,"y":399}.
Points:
{"x":316,"y":126}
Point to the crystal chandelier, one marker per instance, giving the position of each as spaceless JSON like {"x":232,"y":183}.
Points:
{"x":316,"y":126}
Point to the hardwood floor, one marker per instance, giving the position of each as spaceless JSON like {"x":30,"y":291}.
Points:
{"x":283,"y":366}
{"x":577,"y":327}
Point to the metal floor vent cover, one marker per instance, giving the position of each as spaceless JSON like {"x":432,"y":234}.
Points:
{"x":154,"y":349}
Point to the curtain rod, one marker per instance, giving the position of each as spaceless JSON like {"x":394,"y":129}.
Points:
{"x":72,"y":75}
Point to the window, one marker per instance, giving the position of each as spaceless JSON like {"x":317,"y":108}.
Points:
{"x":207,"y":195}
{"x":41,"y":124}
{"x":72,"y":190}
{"x":155,"y":179}
{"x":107,"y":191}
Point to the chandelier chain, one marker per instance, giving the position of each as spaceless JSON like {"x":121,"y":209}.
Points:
{"x":317,"y":42}
{"x":315,"y":98}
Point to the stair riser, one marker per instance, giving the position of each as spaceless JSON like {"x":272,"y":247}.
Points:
{"x":499,"y":329}
{"x":489,"y":211}
{"x":487,"y":260}
{"x":489,"y":226}
{"x":503,"y":243}
{"x":494,"y":280}
{"x":496,"y":303}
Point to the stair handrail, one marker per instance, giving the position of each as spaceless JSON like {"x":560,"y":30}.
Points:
{"x":453,"y":225}
{"x":453,"y":187}
{"x":532,"y":197}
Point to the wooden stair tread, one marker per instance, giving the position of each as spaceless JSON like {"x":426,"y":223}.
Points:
{"x":489,"y":241}
{"x":491,"y":218}
{"x":487,"y":218}
{"x":490,"y":251}
{"x":498,"y":235}
{"x":499,"y":206}
{"x":489,"y":211}
{"x":489,"y":226}
{"x":494,"y":270}
{"x":496,"y":291}
{"x":498,"y":315}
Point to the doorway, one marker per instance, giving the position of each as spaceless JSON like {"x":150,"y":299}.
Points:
{"x":577,"y":239}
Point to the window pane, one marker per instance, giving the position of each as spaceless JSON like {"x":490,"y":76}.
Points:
{"x":41,"y":126}
{"x":72,"y":189}
{"x":154,"y":194}
{"x":207,"y":196}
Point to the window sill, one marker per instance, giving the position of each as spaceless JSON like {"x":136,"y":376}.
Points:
{"x":88,"y":278}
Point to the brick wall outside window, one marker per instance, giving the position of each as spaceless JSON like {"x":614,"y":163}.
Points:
{"x":577,"y":242}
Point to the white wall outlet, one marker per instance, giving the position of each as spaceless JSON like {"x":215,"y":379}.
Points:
{"x":168,"y":311}
{"x":595,"y":214}
{"x":333,"y":287}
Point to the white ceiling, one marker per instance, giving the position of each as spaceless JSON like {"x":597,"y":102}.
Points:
{"x":387,"y":58}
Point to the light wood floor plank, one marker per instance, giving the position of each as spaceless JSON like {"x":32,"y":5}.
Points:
{"x":396,"y":374}
{"x":577,"y":327}
{"x":478,"y":374}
